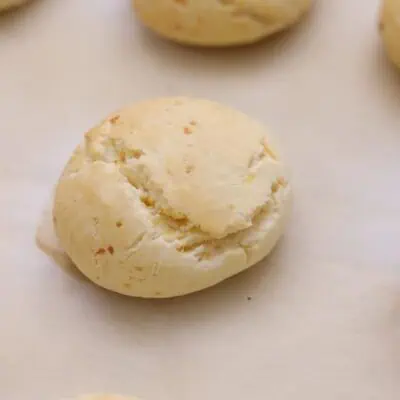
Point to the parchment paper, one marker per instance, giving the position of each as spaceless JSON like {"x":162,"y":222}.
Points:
{"x":319,"y":319}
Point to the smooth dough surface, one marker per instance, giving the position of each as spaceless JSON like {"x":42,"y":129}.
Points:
{"x":219,"y":22}
{"x":390,"y":29}
{"x":170,"y":196}
{"x":6,"y":4}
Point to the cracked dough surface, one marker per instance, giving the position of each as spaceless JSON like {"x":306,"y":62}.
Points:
{"x":390,"y":29}
{"x":170,"y":196}
{"x":219,"y":22}
{"x":6,"y":4}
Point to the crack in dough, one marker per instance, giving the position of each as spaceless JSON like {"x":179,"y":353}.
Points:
{"x":134,"y":221}
{"x":170,"y":225}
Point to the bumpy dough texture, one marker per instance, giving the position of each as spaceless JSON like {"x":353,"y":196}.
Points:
{"x":6,"y":4}
{"x":219,"y":22}
{"x":171,"y":196}
{"x":390,"y":29}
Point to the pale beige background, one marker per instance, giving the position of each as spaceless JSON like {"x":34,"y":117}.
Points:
{"x":323,"y":322}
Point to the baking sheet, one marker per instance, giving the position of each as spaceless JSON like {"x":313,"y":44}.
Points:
{"x":318,"y":319}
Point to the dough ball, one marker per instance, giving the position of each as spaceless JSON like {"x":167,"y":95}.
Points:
{"x":6,"y":4}
{"x":170,"y":196}
{"x":219,"y":22}
{"x":390,"y":29}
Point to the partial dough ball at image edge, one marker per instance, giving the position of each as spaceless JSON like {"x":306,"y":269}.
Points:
{"x":219,"y":22}
{"x":389,"y":25}
{"x":171,"y":196}
{"x":8,"y":4}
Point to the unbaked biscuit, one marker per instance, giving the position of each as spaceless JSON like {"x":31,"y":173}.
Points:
{"x":170,"y":196}
{"x":390,"y":29}
{"x":219,"y":22}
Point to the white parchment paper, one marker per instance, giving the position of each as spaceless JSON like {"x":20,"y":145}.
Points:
{"x":320,"y":319}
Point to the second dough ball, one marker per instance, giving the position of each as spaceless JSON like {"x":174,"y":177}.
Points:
{"x":219,"y":22}
{"x":390,"y":29}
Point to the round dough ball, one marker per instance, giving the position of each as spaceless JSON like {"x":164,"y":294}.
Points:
{"x":6,"y":4}
{"x":390,"y":29}
{"x":170,"y":196}
{"x":219,"y":22}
